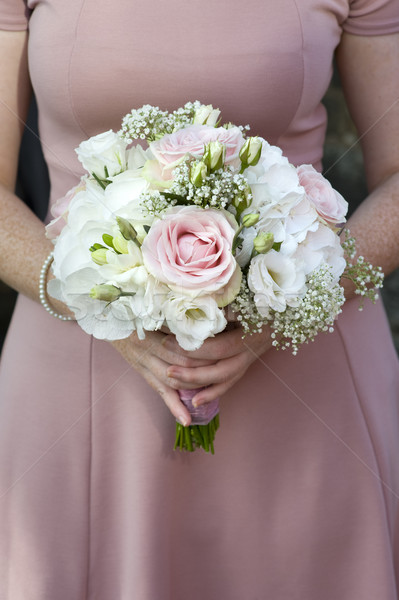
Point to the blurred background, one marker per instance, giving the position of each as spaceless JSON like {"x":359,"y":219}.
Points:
{"x":342,"y":166}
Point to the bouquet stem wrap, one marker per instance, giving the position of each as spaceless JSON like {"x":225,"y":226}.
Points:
{"x":205,"y":422}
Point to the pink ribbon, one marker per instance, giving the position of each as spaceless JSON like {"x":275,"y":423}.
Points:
{"x":203,"y":414}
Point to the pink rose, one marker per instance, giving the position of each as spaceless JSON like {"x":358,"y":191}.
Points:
{"x":329,"y":203}
{"x":189,"y":249}
{"x":171,"y":148}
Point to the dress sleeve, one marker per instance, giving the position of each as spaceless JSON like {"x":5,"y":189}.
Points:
{"x":372,"y":17}
{"x":14,"y":15}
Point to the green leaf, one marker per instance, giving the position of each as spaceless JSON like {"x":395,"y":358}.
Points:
{"x":95,"y":247}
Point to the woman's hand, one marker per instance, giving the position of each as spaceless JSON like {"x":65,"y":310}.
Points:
{"x":231,"y":355}
{"x":152,"y":357}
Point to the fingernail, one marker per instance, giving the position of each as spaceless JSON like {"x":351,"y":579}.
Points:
{"x":183,"y":420}
{"x":196,"y":401}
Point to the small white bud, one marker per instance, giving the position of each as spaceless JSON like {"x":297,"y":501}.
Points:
{"x":214,"y":155}
{"x":263,"y":242}
{"x":251,"y":151}
{"x":198,"y":173}
{"x":206,"y":115}
{"x":100,"y":256}
{"x":105,"y":292}
{"x":250,"y":220}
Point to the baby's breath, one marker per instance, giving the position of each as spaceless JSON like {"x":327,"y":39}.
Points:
{"x":244,"y":307}
{"x":219,"y":189}
{"x":367,"y":279}
{"x":154,"y":203}
{"x":316,"y":312}
{"x":151,"y":123}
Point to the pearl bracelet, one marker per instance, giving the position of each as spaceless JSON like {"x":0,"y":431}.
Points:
{"x":42,"y":290}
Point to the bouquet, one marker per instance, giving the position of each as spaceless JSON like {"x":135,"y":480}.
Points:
{"x":194,"y":221}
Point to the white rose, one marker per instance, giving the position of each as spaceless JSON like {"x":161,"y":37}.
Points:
{"x":103,"y":154}
{"x":276,"y":280}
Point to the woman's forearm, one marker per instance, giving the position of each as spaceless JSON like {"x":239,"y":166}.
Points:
{"x":23,"y":245}
{"x":375,"y":226}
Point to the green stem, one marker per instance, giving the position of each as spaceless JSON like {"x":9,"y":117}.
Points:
{"x":205,"y":435}
{"x":187,"y":435}
{"x":99,"y":181}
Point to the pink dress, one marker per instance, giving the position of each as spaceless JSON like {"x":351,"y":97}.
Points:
{"x":300,"y":501}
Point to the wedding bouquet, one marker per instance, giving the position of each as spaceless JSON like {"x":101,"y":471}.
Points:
{"x":194,"y":219}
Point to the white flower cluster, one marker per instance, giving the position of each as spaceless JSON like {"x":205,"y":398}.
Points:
{"x":202,"y":219}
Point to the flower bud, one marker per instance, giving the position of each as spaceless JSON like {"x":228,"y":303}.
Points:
{"x":243,"y":200}
{"x":263,"y":242}
{"x":214,"y":155}
{"x":250,"y":220}
{"x":198,"y":173}
{"x":105,"y":292}
{"x":250,"y":152}
{"x":126,"y":229}
{"x":100,"y":256}
{"x":120,"y":244}
{"x":206,"y":115}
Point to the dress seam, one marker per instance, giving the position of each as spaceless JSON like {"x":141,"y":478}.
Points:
{"x":71,"y":57}
{"x":90,"y":455}
{"x":300,"y":98}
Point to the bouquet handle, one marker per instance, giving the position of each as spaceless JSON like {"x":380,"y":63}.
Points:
{"x":204,"y":424}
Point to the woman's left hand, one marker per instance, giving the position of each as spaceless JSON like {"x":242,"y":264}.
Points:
{"x":232,"y":355}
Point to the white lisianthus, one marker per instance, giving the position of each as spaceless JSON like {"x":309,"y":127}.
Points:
{"x":72,"y":251}
{"x":277,"y":281}
{"x":103,"y":154}
{"x":193,"y":320}
{"x":107,"y":321}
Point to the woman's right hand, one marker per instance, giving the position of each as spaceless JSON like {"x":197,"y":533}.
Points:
{"x":151,"y":359}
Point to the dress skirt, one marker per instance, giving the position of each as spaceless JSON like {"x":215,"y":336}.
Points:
{"x":299,"y":502}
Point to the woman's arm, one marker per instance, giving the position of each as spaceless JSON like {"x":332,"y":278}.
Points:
{"x":369,"y":70}
{"x":23,"y":245}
